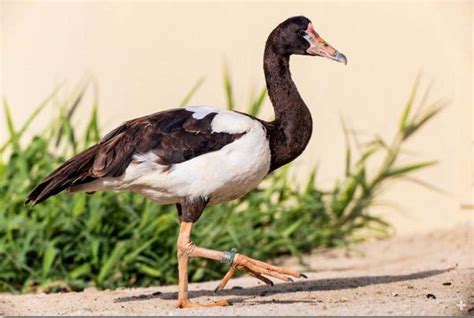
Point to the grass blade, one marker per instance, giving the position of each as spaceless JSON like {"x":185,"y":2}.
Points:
{"x":33,"y":115}
{"x":229,"y":95}
{"x":191,"y":92}
{"x":400,"y":171}
{"x":409,"y":105}
{"x":424,"y":117}
{"x":112,"y":261}
{"x":48,"y":259}
{"x":348,"y":156}
{"x":256,"y":105}
{"x":66,"y":128}
{"x":11,"y":127}
{"x":425,"y":184}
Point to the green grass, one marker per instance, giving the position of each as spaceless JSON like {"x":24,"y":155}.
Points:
{"x":114,"y":240}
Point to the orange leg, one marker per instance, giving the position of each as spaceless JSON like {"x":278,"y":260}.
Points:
{"x":185,"y":250}
{"x":254,"y":267}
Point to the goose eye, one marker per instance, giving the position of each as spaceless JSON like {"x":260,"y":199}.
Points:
{"x":301,"y":32}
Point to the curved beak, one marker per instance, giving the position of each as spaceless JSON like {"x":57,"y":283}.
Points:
{"x":319,"y":47}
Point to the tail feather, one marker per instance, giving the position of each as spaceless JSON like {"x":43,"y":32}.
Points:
{"x":73,"y":172}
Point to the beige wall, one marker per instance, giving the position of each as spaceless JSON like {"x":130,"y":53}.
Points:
{"x":146,"y":55}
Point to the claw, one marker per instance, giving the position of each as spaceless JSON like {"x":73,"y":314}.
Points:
{"x":303,"y":276}
{"x":226,"y":278}
{"x":258,"y":276}
{"x":258,"y":269}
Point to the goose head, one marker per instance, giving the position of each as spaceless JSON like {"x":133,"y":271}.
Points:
{"x":296,"y":35}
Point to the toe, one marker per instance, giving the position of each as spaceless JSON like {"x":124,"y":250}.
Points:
{"x":187,"y":304}
{"x":280,"y":270}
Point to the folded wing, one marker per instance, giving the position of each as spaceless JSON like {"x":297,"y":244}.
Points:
{"x":173,"y":136}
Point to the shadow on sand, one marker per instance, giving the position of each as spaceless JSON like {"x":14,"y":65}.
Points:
{"x":305,"y":285}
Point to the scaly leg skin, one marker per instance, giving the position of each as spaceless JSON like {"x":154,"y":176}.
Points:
{"x":254,"y":267}
{"x":185,"y":249}
{"x":257,"y":269}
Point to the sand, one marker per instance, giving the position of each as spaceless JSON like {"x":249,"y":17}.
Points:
{"x":429,"y":274}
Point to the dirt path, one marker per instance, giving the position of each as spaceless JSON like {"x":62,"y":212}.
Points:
{"x":418,"y":275}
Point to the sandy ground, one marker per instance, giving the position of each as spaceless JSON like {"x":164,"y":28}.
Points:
{"x":430,"y":274}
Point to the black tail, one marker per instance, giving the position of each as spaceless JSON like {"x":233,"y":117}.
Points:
{"x":73,"y":172}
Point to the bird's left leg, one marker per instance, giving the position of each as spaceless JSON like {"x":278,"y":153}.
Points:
{"x":254,"y":267}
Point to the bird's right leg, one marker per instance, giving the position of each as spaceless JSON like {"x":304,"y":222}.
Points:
{"x":189,"y":212}
{"x":185,"y":250}
{"x":254,"y":267}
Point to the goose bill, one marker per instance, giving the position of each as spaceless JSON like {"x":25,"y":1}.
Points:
{"x":319,"y":47}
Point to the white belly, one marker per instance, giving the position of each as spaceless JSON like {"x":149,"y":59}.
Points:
{"x":222,"y":175}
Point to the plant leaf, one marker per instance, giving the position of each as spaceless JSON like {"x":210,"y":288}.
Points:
{"x":11,"y":127}
{"x":48,"y":259}
{"x":256,"y":105}
{"x":33,"y":115}
{"x":425,"y":184}
{"x":191,"y":92}
{"x":409,"y":105}
{"x":348,"y":150}
{"x":426,"y":115}
{"x":229,"y":95}
{"x":149,"y":270}
{"x":400,"y":171}
{"x":112,"y":261}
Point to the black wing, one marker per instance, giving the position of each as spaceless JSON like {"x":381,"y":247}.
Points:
{"x":174,"y":136}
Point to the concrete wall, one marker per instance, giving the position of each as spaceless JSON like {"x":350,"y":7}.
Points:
{"x":146,"y":55}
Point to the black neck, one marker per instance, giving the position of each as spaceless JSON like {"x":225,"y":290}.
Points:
{"x":291,"y":130}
